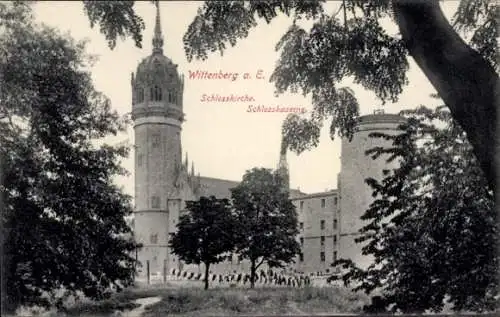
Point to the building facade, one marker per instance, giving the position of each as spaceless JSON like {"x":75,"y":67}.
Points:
{"x":319,"y":232}
{"x":164,"y":181}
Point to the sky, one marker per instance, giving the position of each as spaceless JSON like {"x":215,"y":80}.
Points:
{"x":224,"y":140}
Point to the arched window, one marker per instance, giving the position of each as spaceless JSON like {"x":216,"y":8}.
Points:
{"x":155,"y":202}
{"x":139,"y":94}
{"x":172,"y":97}
{"x":153,"y":238}
{"x":155,"y":93}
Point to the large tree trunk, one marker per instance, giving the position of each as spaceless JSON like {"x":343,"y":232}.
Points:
{"x":466,"y":82}
{"x":253,"y":268}
{"x":207,"y":271}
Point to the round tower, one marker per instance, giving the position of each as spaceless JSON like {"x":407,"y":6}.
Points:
{"x":157,"y":115}
{"x":356,"y":167}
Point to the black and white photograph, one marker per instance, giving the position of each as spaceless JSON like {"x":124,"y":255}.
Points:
{"x":249,"y":158}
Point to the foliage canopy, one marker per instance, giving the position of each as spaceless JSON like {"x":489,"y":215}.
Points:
{"x":64,"y":219}
{"x":432,"y":228}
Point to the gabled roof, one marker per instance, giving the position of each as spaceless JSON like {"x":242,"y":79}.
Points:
{"x":220,"y":188}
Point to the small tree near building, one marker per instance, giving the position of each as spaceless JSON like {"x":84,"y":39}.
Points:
{"x":205,"y":233}
{"x":267,"y":221}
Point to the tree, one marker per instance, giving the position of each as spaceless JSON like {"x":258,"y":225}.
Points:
{"x":205,"y":234}
{"x":63,"y":218}
{"x":432,"y":227}
{"x":312,"y":62}
{"x":267,"y":221}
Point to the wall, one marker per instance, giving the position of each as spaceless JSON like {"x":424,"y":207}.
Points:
{"x":355,"y":194}
{"x":311,"y":213}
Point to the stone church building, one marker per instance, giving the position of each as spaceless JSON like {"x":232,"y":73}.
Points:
{"x":164,"y":180}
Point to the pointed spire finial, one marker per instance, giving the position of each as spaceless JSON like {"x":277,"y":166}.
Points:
{"x":157,"y":37}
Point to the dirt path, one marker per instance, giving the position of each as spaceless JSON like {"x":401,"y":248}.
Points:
{"x":137,"y":312}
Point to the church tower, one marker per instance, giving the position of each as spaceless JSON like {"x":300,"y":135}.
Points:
{"x":157,"y":91}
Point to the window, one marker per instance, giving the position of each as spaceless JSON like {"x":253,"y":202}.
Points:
{"x":322,"y":241}
{"x":334,"y":240}
{"x":139,"y":94}
{"x":301,"y":241}
{"x":335,"y":201}
{"x":139,"y":159}
{"x":335,"y":224}
{"x":301,"y":257}
{"x":153,"y":238}
{"x":323,"y":203}
{"x":301,"y":226}
{"x":334,"y":256}
{"x":155,"y":139}
{"x":172,"y":97}
{"x":301,"y":205}
{"x":322,"y":256}
{"x":155,"y":93}
{"x":155,"y":202}
{"x":322,"y":224}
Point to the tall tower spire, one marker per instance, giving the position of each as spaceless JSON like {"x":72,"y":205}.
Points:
{"x":157,"y":37}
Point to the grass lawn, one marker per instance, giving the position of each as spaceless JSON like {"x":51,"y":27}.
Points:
{"x":230,"y":302}
{"x":260,"y":301}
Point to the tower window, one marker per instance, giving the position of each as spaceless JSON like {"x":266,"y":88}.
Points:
{"x":301,"y":226}
{"x":156,"y":93}
{"x":172,"y":97}
{"x":322,"y":224}
{"x":155,"y":202}
{"x":335,"y":224}
{"x":322,"y":256}
{"x":154,"y":238}
{"x":301,"y":205}
{"x":322,"y":241}
{"x":301,"y":241}
{"x":335,"y":201}
{"x":323,"y":203}
{"x":156,"y":140}
{"x":139,"y":94}
{"x":140,"y":159}
{"x":334,"y":256}
{"x":334,"y":240}
{"x":301,"y":257}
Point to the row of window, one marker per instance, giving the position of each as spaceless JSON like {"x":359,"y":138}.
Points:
{"x":321,"y":225}
{"x":323,"y":203}
{"x":154,"y":240}
{"x":156,"y":202}
{"x":155,"y":94}
{"x":322,"y":241}
{"x":322,"y":257}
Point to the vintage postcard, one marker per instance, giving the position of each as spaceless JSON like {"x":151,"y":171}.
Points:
{"x":206,"y":158}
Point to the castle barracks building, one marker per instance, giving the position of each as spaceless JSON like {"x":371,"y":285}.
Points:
{"x":164,"y":181}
